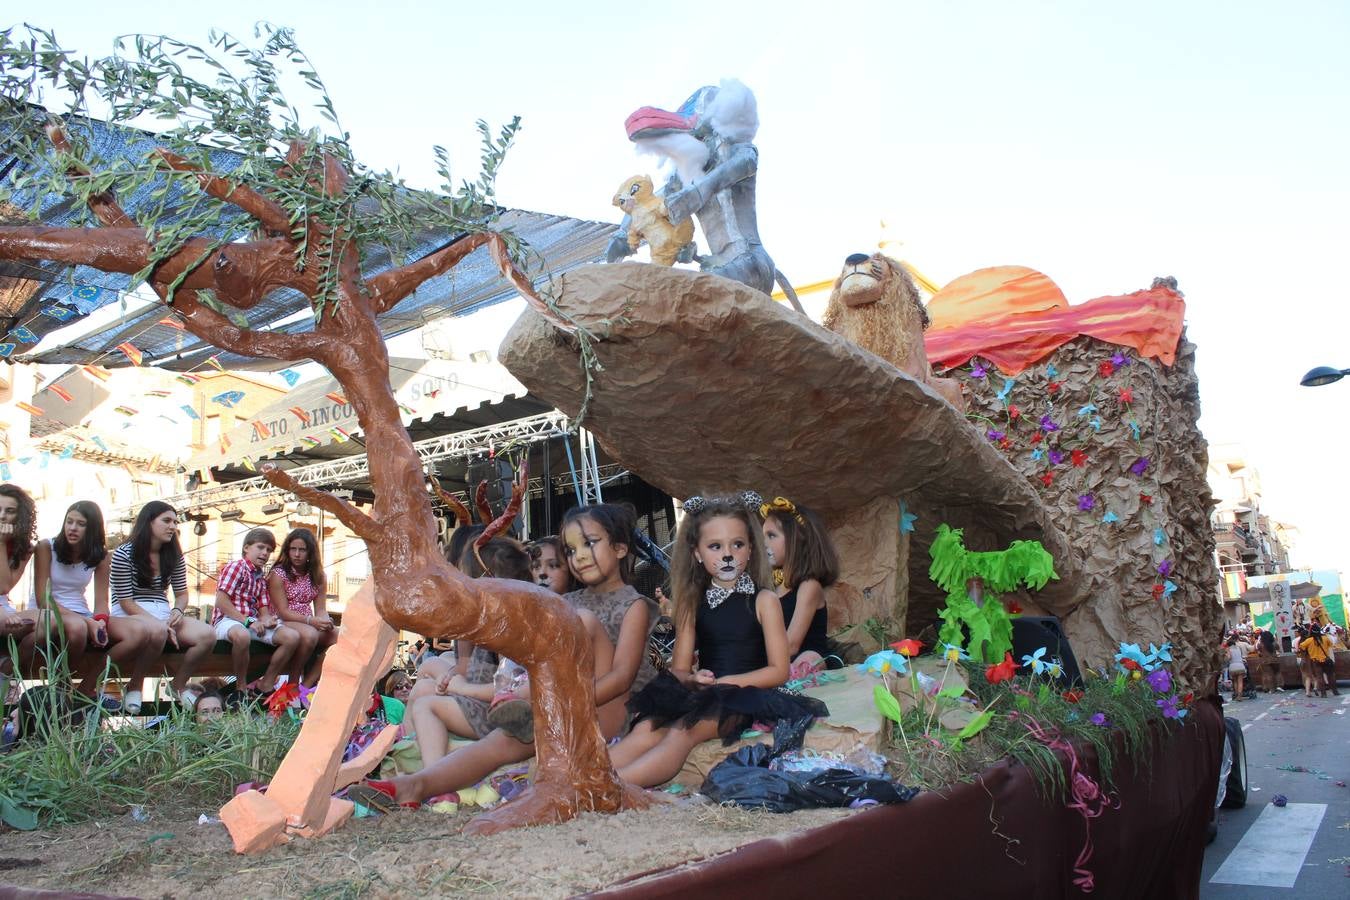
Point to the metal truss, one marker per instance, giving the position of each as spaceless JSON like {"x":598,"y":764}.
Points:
{"x":529,"y":430}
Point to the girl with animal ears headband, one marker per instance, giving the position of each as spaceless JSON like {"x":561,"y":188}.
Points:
{"x":805,"y":563}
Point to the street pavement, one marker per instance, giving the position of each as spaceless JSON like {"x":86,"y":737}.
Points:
{"x":1300,"y":748}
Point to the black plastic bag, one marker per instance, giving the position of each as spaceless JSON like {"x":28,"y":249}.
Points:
{"x":744,"y":778}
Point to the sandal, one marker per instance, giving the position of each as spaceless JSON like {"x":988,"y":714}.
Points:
{"x":378,"y":796}
{"x":131,"y":703}
{"x":513,"y":716}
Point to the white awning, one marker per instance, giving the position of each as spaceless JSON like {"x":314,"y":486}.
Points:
{"x":316,"y":413}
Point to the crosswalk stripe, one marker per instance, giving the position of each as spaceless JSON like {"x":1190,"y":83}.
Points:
{"x":1272,"y":851}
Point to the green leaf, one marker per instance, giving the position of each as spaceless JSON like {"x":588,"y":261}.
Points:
{"x":952,"y":691}
{"x":16,"y":816}
{"x":886,"y":703}
{"x":975,"y":726}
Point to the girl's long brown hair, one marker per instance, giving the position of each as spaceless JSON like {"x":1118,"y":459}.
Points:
{"x":24,"y":536}
{"x":810,"y":552}
{"x":688,"y":579}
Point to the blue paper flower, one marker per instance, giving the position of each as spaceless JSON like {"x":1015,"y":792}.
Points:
{"x":1087,"y":410}
{"x":1158,"y":536}
{"x":1035,"y":662}
{"x":1096,"y":423}
{"x":1006,"y":389}
{"x":885,"y":661}
{"x":1110,"y":517}
{"x":1051,"y":371}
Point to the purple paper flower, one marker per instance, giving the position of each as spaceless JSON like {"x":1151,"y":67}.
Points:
{"x":1056,"y":457}
{"x":1086,"y":502}
{"x":1160,"y":680}
{"x":1099,"y":719}
{"x":1165,"y":568}
{"x":978,"y":370}
{"x":994,"y":435}
{"x":1048,"y":424}
{"x":1140,"y":465}
{"x":1120,"y":359}
{"x":1171,"y":707}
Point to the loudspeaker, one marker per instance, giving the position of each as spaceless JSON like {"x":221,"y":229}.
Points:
{"x":497,"y":473}
{"x":1030,"y":633}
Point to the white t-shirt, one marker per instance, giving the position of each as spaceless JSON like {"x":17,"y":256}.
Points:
{"x":69,"y":581}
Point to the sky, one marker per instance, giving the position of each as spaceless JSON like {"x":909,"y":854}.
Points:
{"x":1102,"y":144}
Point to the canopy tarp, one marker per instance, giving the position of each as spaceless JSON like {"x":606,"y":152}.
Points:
{"x":38,"y":298}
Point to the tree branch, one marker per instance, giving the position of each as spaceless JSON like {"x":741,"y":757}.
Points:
{"x":214,"y":328}
{"x":502,"y":257}
{"x":388,"y":288}
{"x":270,"y":213}
{"x":104,"y":205}
{"x":364,"y":526}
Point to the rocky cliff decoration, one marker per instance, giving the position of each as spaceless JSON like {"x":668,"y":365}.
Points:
{"x":875,"y":304}
{"x":708,"y":141}
{"x":300,"y":220}
{"x":1105,"y":431}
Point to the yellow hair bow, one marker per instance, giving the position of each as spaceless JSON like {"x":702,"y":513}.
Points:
{"x":780,"y":505}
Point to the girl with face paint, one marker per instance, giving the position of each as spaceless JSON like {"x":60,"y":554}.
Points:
{"x":727,"y":615}
{"x":548,"y":565}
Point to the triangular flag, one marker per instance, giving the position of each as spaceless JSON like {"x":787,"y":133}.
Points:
{"x":30,"y":408}
{"x":61,"y":392}
{"x":43,"y":458}
{"x":98,"y":373}
{"x":309,"y":441}
{"x":339,"y":435}
{"x":129,"y":350}
{"x":228,"y":399}
{"x":67,"y":451}
{"x":248,"y":463}
{"x":214,"y":362}
{"x":189,"y":379}
{"x":300,"y":414}
{"x":171,"y":322}
{"x":290,"y":375}
{"x":192,"y":413}
{"x":160,"y":394}
{"x":125,"y":410}
{"x":336,"y":398}
{"x":102,"y":446}
{"x":260,"y":428}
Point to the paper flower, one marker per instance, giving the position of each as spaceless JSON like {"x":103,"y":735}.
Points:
{"x":1005,"y":444}
{"x":1054,"y":668}
{"x":1125,"y":396}
{"x":1072,"y":696}
{"x":1146,"y":499}
{"x":1109,"y":518}
{"x":1157,"y":592}
{"x":1013,"y":411}
{"x":1162,"y":654}
{"x":1086,"y":502}
{"x":1013,"y":607}
{"x":1105,"y":369}
{"x":1003,"y":671}
{"x":1096,"y":423}
{"x":1160,"y":680}
{"x":1052,"y":388}
{"x":978,"y":370}
{"x":1158,"y":536}
{"x":1006,"y":389}
{"x":1130,"y":653}
{"x":1057,"y":457}
{"x":1051,"y":371}
{"x":1165,"y":568}
{"x":1034,"y":662}
{"x":1171,"y":707}
{"x":994,"y":435}
{"x":908,"y":647}
{"x":1140,"y":465}
{"x":907,"y":519}
{"x":1168,"y":588}
{"x":1038,"y":454}
{"x":1038,"y":437}
{"x":1078,"y":458}
{"x":884,"y":661}
{"x":1120,"y":359}
{"x":1134,"y":429}
{"x":1048,"y":478}
{"x":953,"y":653}
{"x":1048,"y":424}
{"x":1100,"y":720}
{"x":1087,"y":410}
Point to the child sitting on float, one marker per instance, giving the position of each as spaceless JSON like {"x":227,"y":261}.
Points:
{"x":18,"y":534}
{"x":618,"y":620}
{"x":243,"y":613}
{"x":548,"y":565}
{"x":804,"y":564}
{"x":297,"y":588}
{"x":727,"y":615}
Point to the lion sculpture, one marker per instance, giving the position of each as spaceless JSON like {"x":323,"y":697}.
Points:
{"x":651,"y":222}
{"x":875,"y":305}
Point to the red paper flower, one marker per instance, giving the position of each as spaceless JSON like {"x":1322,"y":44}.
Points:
{"x":1158,"y":591}
{"x":1078,"y":458}
{"x":1005,"y":444}
{"x":1131,"y":665}
{"x":1146,"y":499}
{"x":281,"y":698}
{"x":1003,"y":671}
{"x":1053,"y":387}
{"x":1013,"y":607}
{"x":1106,"y":368}
{"x":908,"y":647}
{"x":1013,"y":411}
{"x":1038,"y":437}
{"x":1073,"y":696}
{"x":1048,"y":478}
{"x":1126,"y":395}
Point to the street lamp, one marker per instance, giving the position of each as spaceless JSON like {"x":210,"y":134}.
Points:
{"x":1323,"y":375}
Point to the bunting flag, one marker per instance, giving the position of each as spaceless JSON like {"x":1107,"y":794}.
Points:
{"x":214,"y":362}
{"x":6,"y":350}
{"x":171,"y":322}
{"x":407,"y":410}
{"x":99,"y":441}
{"x":228,"y":399}
{"x":61,"y":392}
{"x":339,"y":435}
{"x":130,"y":470}
{"x":30,"y":408}
{"x":336,"y":398}
{"x":43,"y":459}
{"x":126,"y":410}
{"x":189,"y":379}
{"x":98,"y":373}
{"x":23,"y":335}
{"x":130,"y":352}
{"x":247,"y":462}
{"x":309,"y":441}
{"x":300,"y":414}
{"x":67,"y":451}
{"x":4,"y":472}
{"x":59,"y":313}
{"x":156,"y":393}
{"x":86,"y":298}
{"x":291,"y":376}
{"x":192,"y":413}
{"x":261,"y":429}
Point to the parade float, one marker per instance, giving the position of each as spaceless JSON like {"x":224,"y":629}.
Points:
{"x":1070,"y":428}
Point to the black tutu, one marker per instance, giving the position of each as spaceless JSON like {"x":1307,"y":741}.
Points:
{"x":665,"y":701}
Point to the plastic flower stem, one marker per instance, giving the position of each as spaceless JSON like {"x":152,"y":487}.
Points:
{"x":932,"y":711}
{"x":899,"y":723}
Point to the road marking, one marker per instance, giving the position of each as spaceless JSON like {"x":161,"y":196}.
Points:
{"x":1248,"y":725}
{"x":1272,"y":851}
{"x":1262,"y":716}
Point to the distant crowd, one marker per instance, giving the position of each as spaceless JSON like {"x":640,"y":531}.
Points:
{"x":1252,"y":658}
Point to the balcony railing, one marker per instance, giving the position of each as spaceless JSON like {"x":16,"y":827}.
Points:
{"x":1235,"y":536}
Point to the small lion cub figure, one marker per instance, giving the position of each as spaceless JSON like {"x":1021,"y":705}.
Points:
{"x":651,"y":222}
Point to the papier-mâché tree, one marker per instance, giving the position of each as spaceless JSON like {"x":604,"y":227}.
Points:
{"x":212,"y":244}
